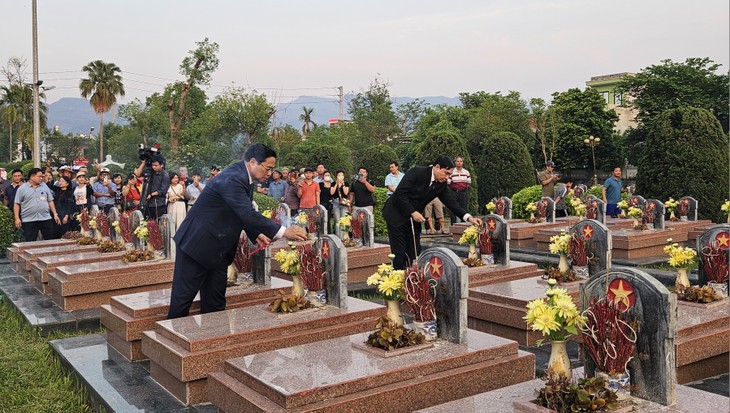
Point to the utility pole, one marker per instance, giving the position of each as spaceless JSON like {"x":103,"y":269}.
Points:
{"x":342,"y":102}
{"x":36,"y":113}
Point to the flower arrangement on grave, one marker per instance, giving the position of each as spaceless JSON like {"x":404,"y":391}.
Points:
{"x":695,"y":294}
{"x":154,"y":236}
{"x":311,"y":268}
{"x":312,"y":222}
{"x":532,"y":208}
{"x":726,"y":209}
{"x":123,"y":227}
{"x":419,"y":292}
{"x":671,"y":206}
{"x":578,"y":207}
{"x":609,"y":338}
{"x":92,"y":222}
{"x":301,"y":219}
{"x":389,"y":335}
{"x":556,"y":318}
{"x":683,"y":209}
{"x":102,"y":224}
{"x":563,"y":394}
{"x":242,"y":262}
{"x":715,"y":263}
{"x":84,"y":240}
{"x":471,"y":236}
{"x":288,"y":260}
{"x":635,"y":213}
{"x":141,"y":232}
{"x":491,"y":207}
{"x":83,"y":219}
{"x":560,"y":244}
{"x":541,"y":209}
{"x":624,"y":207}
{"x":357,"y":231}
{"x":110,"y":246}
{"x":267,"y":213}
{"x":681,"y":258}
{"x":389,"y":283}
{"x":345,"y":225}
{"x":138,"y":256}
{"x":578,"y":255}
{"x":485,"y":246}
{"x":72,"y":235}
{"x":649,"y":214}
{"x":289,"y":303}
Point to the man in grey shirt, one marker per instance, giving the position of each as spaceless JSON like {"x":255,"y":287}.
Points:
{"x":34,"y":207}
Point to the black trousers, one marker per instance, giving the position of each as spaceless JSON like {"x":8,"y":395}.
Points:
{"x":189,"y":278}
{"x":405,"y":243}
{"x":30,"y":230}
{"x":156,"y":211}
{"x":462,"y":197}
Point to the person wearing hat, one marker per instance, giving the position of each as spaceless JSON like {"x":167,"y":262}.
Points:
{"x":105,"y":191}
{"x":548,"y":179}
{"x":277,"y":187}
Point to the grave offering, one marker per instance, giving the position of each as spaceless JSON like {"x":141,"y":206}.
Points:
{"x":590,"y":248}
{"x":546,"y":209}
{"x":459,"y":363}
{"x":595,"y":209}
{"x":714,"y":250}
{"x":643,"y":299}
{"x":183,"y":351}
{"x":470,"y":237}
{"x":654,"y":214}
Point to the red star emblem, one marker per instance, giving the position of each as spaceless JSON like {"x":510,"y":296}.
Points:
{"x":325,"y":250}
{"x":621,"y":292}
{"x":435,"y":268}
{"x":492,"y":224}
{"x":588,"y":232}
{"x":723,"y":240}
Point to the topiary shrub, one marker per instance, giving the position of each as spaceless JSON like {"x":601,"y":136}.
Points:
{"x":377,"y":160}
{"x":265,"y":202}
{"x":504,"y":152}
{"x":380,"y":195}
{"x":523,"y":197}
{"x":334,"y":157}
{"x":686,"y":153}
{"x":597,"y":191}
{"x":8,"y":232}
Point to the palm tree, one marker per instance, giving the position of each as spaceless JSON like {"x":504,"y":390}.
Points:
{"x":104,"y":83}
{"x":16,"y":103}
{"x":9,"y":115}
{"x":306,"y":117}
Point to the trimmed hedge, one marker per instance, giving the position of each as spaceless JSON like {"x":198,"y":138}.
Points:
{"x":380,"y":195}
{"x":686,"y":154}
{"x":522,"y":198}
{"x":265,"y":202}
{"x":503,"y":167}
{"x":8,"y":232}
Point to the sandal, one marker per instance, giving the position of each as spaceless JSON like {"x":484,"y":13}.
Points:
{"x":443,"y":231}
{"x":430,"y":232}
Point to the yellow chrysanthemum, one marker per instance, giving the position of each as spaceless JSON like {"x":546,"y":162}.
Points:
{"x":491,"y":207}
{"x":267,"y":213}
{"x":470,"y":235}
{"x":531,"y":207}
{"x":560,"y":244}
{"x":635,"y":212}
{"x":545,"y":322}
{"x":622,"y":204}
{"x":374,"y":279}
{"x":565,"y":307}
{"x":389,"y":285}
{"x":384,"y":269}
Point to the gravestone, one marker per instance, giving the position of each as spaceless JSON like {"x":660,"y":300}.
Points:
{"x":597,"y":242}
{"x":367,"y":223}
{"x":167,"y":230}
{"x":94,"y":210}
{"x":334,"y":256}
{"x":114,"y":217}
{"x":655,"y":211}
{"x":499,"y":231}
{"x":504,"y":207}
{"x":317,"y":215}
{"x":136,"y":218}
{"x":452,"y":289}
{"x":579,"y":191}
{"x":690,"y":204}
{"x":595,"y":209}
{"x":710,"y":245}
{"x":255,"y":268}
{"x":643,"y":298}
{"x":283,"y":214}
{"x":637,"y":201}
{"x":549,"y":205}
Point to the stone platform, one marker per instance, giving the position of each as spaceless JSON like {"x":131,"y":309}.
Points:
{"x":90,"y":285}
{"x":522,"y":234}
{"x":703,"y":340}
{"x":29,"y":256}
{"x":43,"y":266}
{"x":694,"y":229}
{"x":498,"y":308}
{"x":493,"y":274}
{"x":455,"y":230}
{"x":127,"y":316}
{"x":343,"y":375}
{"x":16,"y":248}
{"x":183,"y":351}
{"x":629,"y":244}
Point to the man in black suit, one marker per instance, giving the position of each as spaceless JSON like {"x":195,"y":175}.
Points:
{"x":403,"y":210}
{"x":208,"y":236}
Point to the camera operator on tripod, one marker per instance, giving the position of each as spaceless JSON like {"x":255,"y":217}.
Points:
{"x":153,"y":198}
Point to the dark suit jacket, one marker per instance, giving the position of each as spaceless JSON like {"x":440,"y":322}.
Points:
{"x":210,"y":232}
{"x":413,"y":194}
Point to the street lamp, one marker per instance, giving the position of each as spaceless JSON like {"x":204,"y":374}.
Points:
{"x":593,"y":142}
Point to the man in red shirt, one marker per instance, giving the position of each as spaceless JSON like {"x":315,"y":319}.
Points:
{"x":308,"y":191}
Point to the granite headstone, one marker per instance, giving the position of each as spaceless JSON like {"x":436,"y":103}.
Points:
{"x":136,"y":218}
{"x":549,"y":208}
{"x":167,"y":230}
{"x":596,"y":238}
{"x":643,"y":298}
{"x":367,"y":223}
{"x":595,"y":209}
{"x":504,"y":207}
{"x":712,"y":245}
{"x":579,"y":191}
{"x":637,"y":201}
{"x":690,"y":205}
{"x":283,"y":214}
{"x":254,"y":205}
{"x":654,"y":211}
{"x":114,"y":217}
{"x":499,"y":231}
{"x":452,"y":289}
{"x":317,"y":216}
{"x":334,"y":257}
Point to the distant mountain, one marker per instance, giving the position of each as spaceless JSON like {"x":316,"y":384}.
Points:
{"x":76,"y":115}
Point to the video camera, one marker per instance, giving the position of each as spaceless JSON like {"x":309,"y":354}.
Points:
{"x":146,"y":154}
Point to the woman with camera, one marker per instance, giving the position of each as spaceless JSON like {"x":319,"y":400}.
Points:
{"x":339,"y":193}
{"x":130,"y":193}
{"x":176,"y":200}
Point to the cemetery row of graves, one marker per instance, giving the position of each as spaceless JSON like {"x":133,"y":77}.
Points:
{"x":447,"y":334}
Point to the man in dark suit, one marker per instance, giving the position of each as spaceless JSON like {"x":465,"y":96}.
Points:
{"x":208,"y":236}
{"x":403,"y":210}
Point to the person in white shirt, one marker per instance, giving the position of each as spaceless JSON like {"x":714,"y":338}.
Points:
{"x":393,"y":178}
{"x":193,"y":190}
{"x":459,"y":183}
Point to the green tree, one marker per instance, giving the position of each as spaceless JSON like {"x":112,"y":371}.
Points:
{"x":503,"y":166}
{"x":408,"y":115}
{"x":284,"y":139}
{"x":373,"y":113}
{"x":695,"y":83}
{"x":313,"y":152}
{"x":445,"y":140}
{"x":573,"y":116}
{"x":248,"y":114}
{"x":686,"y":154}
{"x":139,"y":117}
{"x":308,"y":123}
{"x":197,"y":68}
{"x":102,"y":86}
{"x":489,"y":113}
{"x":64,"y":147}
{"x":377,"y":160}
{"x":16,"y":103}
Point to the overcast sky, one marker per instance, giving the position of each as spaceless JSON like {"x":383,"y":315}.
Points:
{"x":421,"y":48}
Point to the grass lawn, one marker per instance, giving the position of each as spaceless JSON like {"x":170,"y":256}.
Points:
{"x":31,"y":379}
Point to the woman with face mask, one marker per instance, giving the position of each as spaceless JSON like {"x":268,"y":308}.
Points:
{"x":325,"y":197}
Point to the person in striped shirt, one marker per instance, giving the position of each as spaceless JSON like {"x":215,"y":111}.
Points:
{"x":459,"y":183}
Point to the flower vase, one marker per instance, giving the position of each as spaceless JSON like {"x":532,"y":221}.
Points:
{"x":297,"y":288}
{"x":672,"y":217}
{"x":559,"y":363}
{"x":428,"y":328}
{"x":97,"y":235}
{"x":345,"y":235}
{"x":618,"y":382}
{"x":160,"y":254}
{"x":85,"y":233}
{"x":563,"y":266}
{"x":317,"y":298}
{"x":394,"y":312}
{"x":728,"y":219}
{"x":682,"y":278}
{"x":636,"y":222}
{"x":532,"y":216}
{"x":472,"y":252}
